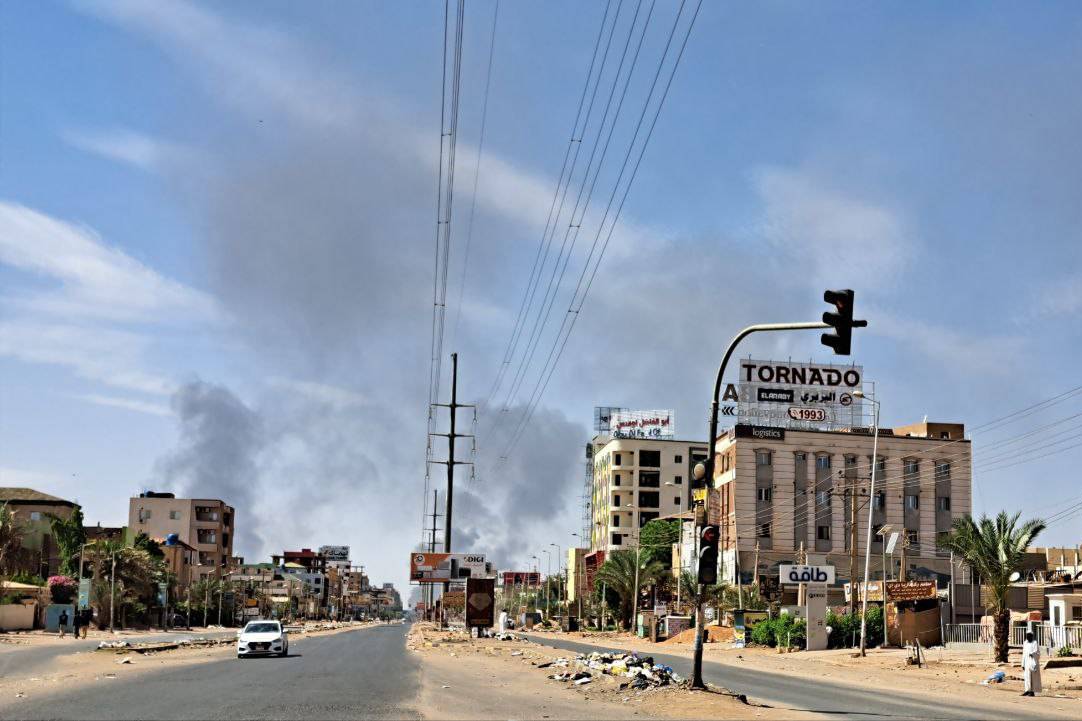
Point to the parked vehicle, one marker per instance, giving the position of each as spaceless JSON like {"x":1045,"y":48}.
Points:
{"x":262,"y":637}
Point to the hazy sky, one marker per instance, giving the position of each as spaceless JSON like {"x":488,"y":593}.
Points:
{"x":217,"y":225}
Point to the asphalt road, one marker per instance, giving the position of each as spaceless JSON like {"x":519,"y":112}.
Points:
{"x":24,"y":660}
{"x":819,"y":695}
{"x":354,"y":674}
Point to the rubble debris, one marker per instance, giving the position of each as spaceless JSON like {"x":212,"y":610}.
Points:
{"x":641,"y":671}
{"x":997,"y":677}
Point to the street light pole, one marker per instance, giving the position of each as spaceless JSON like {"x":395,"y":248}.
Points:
{"x":868,"y":541}
{"x":559,"y":577}
{"x":548,"y":577}
{"x":112,"y":594}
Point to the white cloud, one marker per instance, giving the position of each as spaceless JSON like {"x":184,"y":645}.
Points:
{"x":97,"y":280}
{"x":830,"y":237}
{"x":1061,"y":298}
{"x":110,"y":356}
{"x":990,"y":355}
{"x":322,"y":393}
{"x":130,"y":404}
{"x":125,"y":146}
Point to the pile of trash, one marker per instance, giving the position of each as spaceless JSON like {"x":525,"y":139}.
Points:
{"x":641,"y":671}
{"x":508,"y":636}
{"x":114,"y":644}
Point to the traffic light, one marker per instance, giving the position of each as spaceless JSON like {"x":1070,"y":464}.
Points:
{"x":708,"y":554}
{"x":842,"y":321}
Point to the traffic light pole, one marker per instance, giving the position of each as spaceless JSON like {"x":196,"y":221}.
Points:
{"x":708,"y":475}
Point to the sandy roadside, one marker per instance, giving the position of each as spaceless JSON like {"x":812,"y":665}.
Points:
{"x":953,"y":676}
{"x":485,"y":678}
{"x":72,"y":671}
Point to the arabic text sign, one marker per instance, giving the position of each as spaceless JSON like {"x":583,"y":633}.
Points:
{"x":822,"y":575}
{"x":440,"y":567}
{"x":910,"y":590}
{"x":797,"y":395}
{"x":335,"y":553}
{"x":642,"y":424}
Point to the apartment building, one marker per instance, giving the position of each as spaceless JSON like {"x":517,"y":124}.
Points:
{"x":636,"y":480}
{"x":32,"y":511}
{"x":779,"y":490}
{"x":205,"y":524}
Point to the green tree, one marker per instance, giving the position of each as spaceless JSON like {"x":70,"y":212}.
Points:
{"x":70,"y":536}
{"x":11,"y":541}
{"x":149,"y":545}
{"x":656,"y":539}
{"x":618,"y":573}
{"x":994,"y":548}
{"x":136,"y":576}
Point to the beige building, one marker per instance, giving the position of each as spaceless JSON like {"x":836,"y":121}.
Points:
{"x":205,"y":524}
{"x":32,"y":510}
{"x":777,"y":489}
{"x":636,"y":480}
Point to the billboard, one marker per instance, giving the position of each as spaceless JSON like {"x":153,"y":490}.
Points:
{"x":642,"y":424}
{"x":440,"y":567}
{"x":480,"y":602}
{"x":521,"y":578}
{"x":603,"y":419}
{"x":798,"y":396}
{"x":335,"y":553}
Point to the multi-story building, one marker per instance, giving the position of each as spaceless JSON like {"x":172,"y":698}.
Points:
{"x":782,"y":491}
{"x":205,"y":524}
{"x":32,"y":511}
{"x":636,"y":480}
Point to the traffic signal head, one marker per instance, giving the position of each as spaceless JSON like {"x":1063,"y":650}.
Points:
{"x":842,"y":321}
{"x":708,"y":554}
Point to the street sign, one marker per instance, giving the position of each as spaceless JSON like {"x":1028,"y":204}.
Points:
{"x":698,"y":494}
{"x":892,"y":542}
{"x":910,"y":590}
{"x":163,"y":593}
{"x":814,"y":575}
{"x":480,"y":602}
{"x":440,"y":567}
{"x":84,"y":593}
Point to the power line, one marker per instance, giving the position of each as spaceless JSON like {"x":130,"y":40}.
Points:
{"x":476,"y":172}
{"x":574,"y":312}
{"x":527,"y":296}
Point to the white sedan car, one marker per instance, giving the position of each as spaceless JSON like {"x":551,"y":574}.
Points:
{"x":262,"y":637}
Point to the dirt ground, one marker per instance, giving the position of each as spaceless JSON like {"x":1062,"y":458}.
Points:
{"x":88,"y":667}
{"x":955,"y":675}
{"x":508,"y":670}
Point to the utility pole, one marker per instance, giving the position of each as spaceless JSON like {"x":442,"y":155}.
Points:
{"x":454,"y":405}
{"x":853,"y":544}
{"x":430,"y":591}
{"x":112,"y":595}
{"x":755,"y":579}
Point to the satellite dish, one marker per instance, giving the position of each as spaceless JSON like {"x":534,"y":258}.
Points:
{"x":1078,"y":576}
{"x":1015,"y":576}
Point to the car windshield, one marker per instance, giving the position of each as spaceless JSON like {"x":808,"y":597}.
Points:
{"x":261,"y":628}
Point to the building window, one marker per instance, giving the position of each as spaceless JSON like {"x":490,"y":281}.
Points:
{"x":648,"y":499}
{"x":912,"y":502}
{"x":615,"y":479}
{"x":679,"y":459}
{"x":207,"y":535}
{"x":850,"y":461}
{"x":880,"y":501}
{"x":764,"y":530}
{"x":35,"y":515}
{"x":616,"y":520}
{"x":912,"y":537}
{"x":943,"y":503}
{"x":801,"y":456}
{"x":678,"y":480}
{"x":676,"y":500}
{"x":616,"y":500}
{"x":647,"y":516}
{"x":1076,"y":613}
{"x":764,"y":494}
{"x":144,"y":515}
{"x":650,"y":459}
{"x":725,"y":463}
{"x":822,"y":498}
{"x":877,"y":537}
{"x":763,"y":458}
{"x":943,"y":471}
{"x":616,"y":539}
{"x":881,"y":465}
{"x":649,"y":479}
{"x":912,"y":467}
{"x":945,"y":435}
{"x":174,"y":515}
{"x":822,"y":533}
{"x":616,"y":459}
{"x":822,"y":463}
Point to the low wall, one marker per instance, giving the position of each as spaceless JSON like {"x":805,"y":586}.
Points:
{"x":17,"y":616}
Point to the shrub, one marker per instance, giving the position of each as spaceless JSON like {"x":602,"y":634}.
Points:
{"x":62,"y":588}
{"x":28,"y":578}
{"x":779,"y":631}
{"x":1064,"y":652}
{"x":845,"y":628}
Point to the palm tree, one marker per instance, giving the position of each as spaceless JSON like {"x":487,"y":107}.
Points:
{"x":618,"y":573}
{"x":695,"y":594}
{"x":994,"y":548}
{"x":11,"y":541}
{"x":70,"y":536}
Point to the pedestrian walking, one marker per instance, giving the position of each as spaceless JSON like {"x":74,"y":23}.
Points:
{"x":77,"y":623}
{"x":88,"y":616}
{"x":63,"y":621}
{"x":1031,"y":665}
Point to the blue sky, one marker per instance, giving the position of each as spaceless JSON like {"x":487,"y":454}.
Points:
{"x":220,"y":216}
